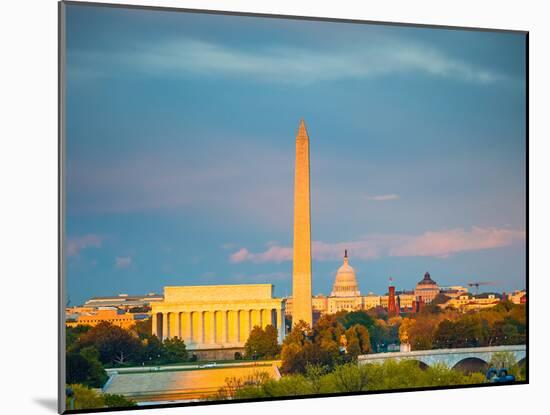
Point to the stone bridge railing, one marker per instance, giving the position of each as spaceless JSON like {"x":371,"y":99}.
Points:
{"x":450,"y":357}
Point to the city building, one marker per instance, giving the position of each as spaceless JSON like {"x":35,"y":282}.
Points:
{"x":72,"y":313}
{"x":468,"y":302}
{"x":453,"y":291}
{"x":518,"y":297}
{"x":427,"y":289}
{"x":124,"y":301}
{"x":110,"y":315}
{"x":405,"y":300}
{"x":320,"y":305}
{"x":345,"y":293}
{"x":392,"y":306}
{"x":214,"y":317}
{"x":458,"y":302}
{"x":371,"y":300}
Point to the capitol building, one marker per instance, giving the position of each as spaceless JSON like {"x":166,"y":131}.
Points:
{"x":346,"y":296}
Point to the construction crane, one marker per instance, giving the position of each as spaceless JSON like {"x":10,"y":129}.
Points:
{"x":477,"y":284}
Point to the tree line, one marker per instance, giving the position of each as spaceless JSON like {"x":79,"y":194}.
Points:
{"x":345,"y":378}
{"x":91,"y":349}
{"x":351,"y":377}
{"x":339,"y":338}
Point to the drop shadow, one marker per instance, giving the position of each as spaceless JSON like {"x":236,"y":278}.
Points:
{"x":48,"y":403}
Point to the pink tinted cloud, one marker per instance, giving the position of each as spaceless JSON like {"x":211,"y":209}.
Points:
{"x":122,"y":262}
{"x":382,"y":198}
{"x":432,"y":243}
{"x":445,"y":243}
{"x":241,"y":255}
{"x":272,"y":254}
{"x":77,"y":244}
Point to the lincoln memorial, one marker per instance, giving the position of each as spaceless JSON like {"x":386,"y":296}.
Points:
{"x":216,"y":316}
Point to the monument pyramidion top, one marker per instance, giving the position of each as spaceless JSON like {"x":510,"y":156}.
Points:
{"x":302,"y":131}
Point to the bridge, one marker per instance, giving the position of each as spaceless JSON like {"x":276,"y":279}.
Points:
{"x":453,"y":358}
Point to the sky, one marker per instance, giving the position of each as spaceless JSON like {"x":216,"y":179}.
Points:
{"x":180,"y":139}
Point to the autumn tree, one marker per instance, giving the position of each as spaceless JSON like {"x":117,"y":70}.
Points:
{"x":373,"y":320}
{"x":358,"y":341}
{"x":404,"y":330}
{"x":296,"y":346}
{"x":262,"y":343}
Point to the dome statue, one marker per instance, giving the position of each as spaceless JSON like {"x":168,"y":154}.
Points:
{"x":345,"y":284}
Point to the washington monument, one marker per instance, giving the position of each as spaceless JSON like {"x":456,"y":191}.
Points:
{"x":301,"y":270}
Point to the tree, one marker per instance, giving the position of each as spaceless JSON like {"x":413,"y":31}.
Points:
{"x":505,"y":360}
{"x":84,"y":398}
{"x":118,"y":401}
{"x":73,"y":335}
{"x":507,"y":331}
{"x":115,"y":345}
{"x":293,"y":358}
{"x":404,"y":330}
{"x":315,"y":373}
{"x":422,"y":332}
{"x":78,"y":368}
{"x":262,"y":343}
{"x":84,"y":367}
{"x":143,"y":328}
{"x":467,"y":331}
{"x":364,"y":339}
{"x":374,"y":321}
{"x":97,"y":375}
{"x":254,"y":341}
{"x":151,"y":350}
{"x":272,"y":347}
{"x":303,"y":346}
{"x":432,"y":308}
{"x":174,"y":350}
{"x":244,"y":387}
{"x":350,"y":378}
{"x":357,"y":317}
{"x":358,"y":341}
{"x":295,"y":385}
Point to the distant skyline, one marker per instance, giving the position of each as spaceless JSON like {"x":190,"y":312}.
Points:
{"x":180,"y":151}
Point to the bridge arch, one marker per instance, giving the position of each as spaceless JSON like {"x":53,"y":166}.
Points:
{"x":471,"y":364}
{"x":461,"y":358}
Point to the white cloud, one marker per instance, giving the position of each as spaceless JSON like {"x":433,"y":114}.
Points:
{"x":272,"y":254}
{"x":122,"y":262}
{"x":382,"y":198}
{"x":440,"y":244}
{"x":286,"y":64}
{"x":76,"y":244}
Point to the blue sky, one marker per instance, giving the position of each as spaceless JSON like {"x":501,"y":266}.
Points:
{"x":180,"y":151}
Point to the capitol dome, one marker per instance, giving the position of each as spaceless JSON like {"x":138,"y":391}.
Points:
{"x":427,"y":280}
{"x":345,"y":284}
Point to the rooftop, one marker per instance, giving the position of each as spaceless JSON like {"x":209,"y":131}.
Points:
{"x":427,"y":280}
